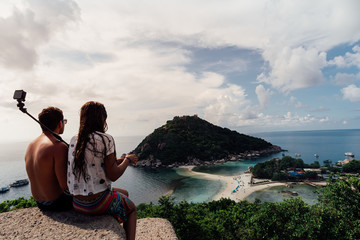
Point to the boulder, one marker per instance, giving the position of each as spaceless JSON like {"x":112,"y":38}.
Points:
{"x":31,"y":223}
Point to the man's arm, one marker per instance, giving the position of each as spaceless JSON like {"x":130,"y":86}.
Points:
{"x":60,"y":159}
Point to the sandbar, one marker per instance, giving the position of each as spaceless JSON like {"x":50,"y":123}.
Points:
{"x":236,"y":188}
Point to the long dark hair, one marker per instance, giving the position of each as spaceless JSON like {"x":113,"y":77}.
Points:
{"x":92,"y":118}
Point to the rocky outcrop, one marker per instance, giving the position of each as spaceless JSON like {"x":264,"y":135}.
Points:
{"x":155,"y":163}
{"x":31,"y":223}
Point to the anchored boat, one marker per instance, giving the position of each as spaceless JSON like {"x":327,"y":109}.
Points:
{"x":20,"y":183}
{"x":349,"y":154}
{"x":4,"y":189}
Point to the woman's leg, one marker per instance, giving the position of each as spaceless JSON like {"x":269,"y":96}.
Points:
{"x":130,"y":224}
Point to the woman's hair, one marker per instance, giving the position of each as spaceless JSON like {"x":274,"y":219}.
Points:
{"x":92,"y":118}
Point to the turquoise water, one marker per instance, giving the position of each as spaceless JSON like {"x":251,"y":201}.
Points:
{"x":274,"y":194}
{"x":231,"y":168}
{"x":147,"y":185}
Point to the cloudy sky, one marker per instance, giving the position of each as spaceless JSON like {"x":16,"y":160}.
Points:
{"x":251,"y":66}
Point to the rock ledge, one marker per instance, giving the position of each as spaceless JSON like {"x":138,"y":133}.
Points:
{"x":31,"y":223}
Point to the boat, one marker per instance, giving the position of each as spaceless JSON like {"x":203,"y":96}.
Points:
{"x":349,"y":154}
{"x":297,"y":155}
{"x":20,"y":183}
{"x":315,"y":155}
{"x":4,"y":189}
{"x":327,"y":161}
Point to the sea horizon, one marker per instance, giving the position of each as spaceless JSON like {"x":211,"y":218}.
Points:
{"x":147,"y":185}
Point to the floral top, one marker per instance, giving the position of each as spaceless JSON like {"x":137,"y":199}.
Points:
{"x":95,"y":180}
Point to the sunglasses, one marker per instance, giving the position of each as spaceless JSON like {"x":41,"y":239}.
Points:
{"x":64,"y":121}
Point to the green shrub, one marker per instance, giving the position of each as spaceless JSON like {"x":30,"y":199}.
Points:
{"x":17,"y":204}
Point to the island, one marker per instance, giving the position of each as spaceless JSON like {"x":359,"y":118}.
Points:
{"x":190,"y":140}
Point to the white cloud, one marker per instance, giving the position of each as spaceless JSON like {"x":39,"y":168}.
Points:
{"x":23,"y":32}
{"x":222,"y":105}
{"x":211,"y":79}
{"x":293,"y":102}
{"x":300,"y":105}
{"x":293,"y":68}
{"x":263,"y":95}
{"x":131,"y":55}
{"x":351,"y":93}
{"x":228,"y":66}
{"x":259,"y":121}
{"x":292,"y":36}
{"x":295,"y":119}
{"x":350,"y":59}
{"x":325,"y":119}
{"x":345,"y":78}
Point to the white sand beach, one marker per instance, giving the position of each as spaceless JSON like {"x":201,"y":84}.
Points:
{"x":240,"y":183}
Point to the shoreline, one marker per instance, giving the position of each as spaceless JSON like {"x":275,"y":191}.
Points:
{"x":237,"y":187}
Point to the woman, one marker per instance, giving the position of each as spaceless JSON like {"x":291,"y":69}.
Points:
{"x":92,"y":166}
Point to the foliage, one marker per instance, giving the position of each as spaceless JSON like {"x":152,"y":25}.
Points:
{"x":192,"y":137}
{"x":352,"y":167}
{"x":333,"y":169}
{"x":343,"y":194}
{"x":275,"y":168}
{"x":309,"y":175}
{"x":17,"y":204}
{"x":315,"y":164}
{"x":336,"y":216}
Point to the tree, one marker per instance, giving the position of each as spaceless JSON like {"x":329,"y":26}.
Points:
{"x":352,"y":167}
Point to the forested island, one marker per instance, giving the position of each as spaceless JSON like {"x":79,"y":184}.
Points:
{"x":190,"y":140}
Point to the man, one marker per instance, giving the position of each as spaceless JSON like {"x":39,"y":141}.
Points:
{"x":46,"y":164}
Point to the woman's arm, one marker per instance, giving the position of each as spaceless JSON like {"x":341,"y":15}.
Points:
{"x":114,"y":168}
{"x":119,"y":160}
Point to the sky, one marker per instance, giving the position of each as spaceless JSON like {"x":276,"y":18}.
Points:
{"x":250,"y":66}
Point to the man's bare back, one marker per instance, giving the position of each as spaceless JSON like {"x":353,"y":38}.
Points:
{"x":46,"y":161}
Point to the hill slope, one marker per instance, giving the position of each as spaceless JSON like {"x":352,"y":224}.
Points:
{"x":192,"y":140}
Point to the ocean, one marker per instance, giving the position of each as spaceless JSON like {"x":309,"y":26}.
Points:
{"x":147,"y":185}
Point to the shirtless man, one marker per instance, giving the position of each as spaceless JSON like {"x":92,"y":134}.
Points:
{"x":46,"y":164}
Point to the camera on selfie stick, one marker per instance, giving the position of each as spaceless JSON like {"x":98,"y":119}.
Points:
{"x":19,"y":96}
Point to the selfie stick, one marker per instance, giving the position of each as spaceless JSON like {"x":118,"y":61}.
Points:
{"x":21,"y":105}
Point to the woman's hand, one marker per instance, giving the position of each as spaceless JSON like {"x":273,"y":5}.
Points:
{"x":133,"y":158}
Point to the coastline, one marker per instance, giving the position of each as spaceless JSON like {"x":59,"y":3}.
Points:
{"x":237,"y":187}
